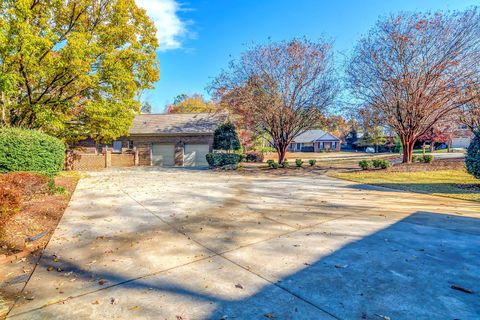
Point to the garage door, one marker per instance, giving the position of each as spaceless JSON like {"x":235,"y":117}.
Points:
{"x":195,"y":155}
{"x":163,"y":155}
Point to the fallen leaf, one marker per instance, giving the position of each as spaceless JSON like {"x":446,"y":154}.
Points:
{"x":239,"y":286}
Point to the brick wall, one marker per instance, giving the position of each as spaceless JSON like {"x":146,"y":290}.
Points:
{"x":143,"y":145}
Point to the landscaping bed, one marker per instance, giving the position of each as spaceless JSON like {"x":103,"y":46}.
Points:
{"x":440,"y":164}
{"x":40,"y":208}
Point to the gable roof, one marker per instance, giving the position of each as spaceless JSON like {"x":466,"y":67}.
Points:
{"x":315,"y":135}
{"x":176,"y":123}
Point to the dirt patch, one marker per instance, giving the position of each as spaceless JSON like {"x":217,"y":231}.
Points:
{"x":33,"y":224}
{"x":440,"y":164}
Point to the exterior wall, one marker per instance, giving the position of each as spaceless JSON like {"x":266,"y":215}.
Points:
{"x":318,"y":146}
{"x":462,"y":138}
{"x":143,"y":145}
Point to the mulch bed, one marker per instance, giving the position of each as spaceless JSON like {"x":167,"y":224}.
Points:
{"x":440,"y":164}
{"x":33,"y":225}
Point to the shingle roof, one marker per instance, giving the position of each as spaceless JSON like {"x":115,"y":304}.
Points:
{"x":315,"y":135}
{"x":176,"y":123}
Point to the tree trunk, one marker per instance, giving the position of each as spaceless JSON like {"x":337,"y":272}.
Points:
{"x":281,"y":151}
{"x":408,"y":144}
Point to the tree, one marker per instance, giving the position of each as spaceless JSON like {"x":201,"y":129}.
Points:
{"x":76,"y":67}
{"x":225,"y":138}
{"x":472,"y":159}
{"x":439,"y":133}
{"x":470,"y":113}
{"x":413,"y":69}
{"x":146,"y":107}
{"x":191,"y":104}
{"x":279,"y":87}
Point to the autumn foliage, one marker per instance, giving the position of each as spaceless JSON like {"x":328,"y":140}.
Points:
{"x":414,"y":69}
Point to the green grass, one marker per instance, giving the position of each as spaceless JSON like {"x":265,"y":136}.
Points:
{"x":420,"y":151}
{"x":441,"y":183}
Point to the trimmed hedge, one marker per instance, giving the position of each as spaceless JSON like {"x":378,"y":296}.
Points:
{"x":30,"y":150}
{"x":216,"y":160}
{"x":472,"y":158}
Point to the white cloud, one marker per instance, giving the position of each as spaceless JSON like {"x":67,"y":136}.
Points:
{"x":170,"y":28}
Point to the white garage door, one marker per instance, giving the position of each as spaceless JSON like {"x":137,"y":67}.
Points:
{"x":163,"y":155}
{"x":195,"y":155}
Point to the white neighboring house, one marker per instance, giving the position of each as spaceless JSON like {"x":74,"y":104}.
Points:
{"x":462,"y":137}
{"x":315,"y":141}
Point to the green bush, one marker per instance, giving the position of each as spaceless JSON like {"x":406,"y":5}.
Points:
{"x":225,"y":138}
{"x":381,"y":163}
{"x":366,"y":164}
{"x":30,"y":150}
{"x":270,"y":162}
{"x":274,"y":165}
{"x":472,"y":158}
{"x":416,"y":159}
{"x":312,"y":162}
{"x":427,"y":158}
{"x":298,"y":162}
{"x":222,"y":159}
{"x":285,"y":164}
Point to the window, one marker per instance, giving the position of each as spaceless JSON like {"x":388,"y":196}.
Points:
{"x":334,"y":145}
{"x":117,"y":146}
{"x":321,"y":145}
{"x":130,"y":144}
{"x":298,"y":146}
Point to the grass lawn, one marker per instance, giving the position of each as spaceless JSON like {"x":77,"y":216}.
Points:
{"x":449,"y":183}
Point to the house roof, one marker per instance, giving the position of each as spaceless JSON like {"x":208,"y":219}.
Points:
{"x":315,"y":135}
{"x":176,"y":123}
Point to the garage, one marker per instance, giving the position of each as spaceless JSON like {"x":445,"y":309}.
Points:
{"x":163,"y":155}
{"x":195,"y":155}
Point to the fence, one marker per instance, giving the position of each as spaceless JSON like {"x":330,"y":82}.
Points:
{"x":87,"y":162}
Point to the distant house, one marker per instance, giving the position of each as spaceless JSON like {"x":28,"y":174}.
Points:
{"x":175,"y":139}
{"x":315,"y":141}
{"x":462,"y":137}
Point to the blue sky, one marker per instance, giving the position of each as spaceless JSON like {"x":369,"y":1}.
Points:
{"x":199,"y":37}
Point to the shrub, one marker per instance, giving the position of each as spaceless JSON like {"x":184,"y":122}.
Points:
{"x":427,"y":158}
{"x":384,"y":164}
{"x":30,"y":150}
{"x":225,"y":138}
{"x":472,"y":158}
{"x":222,"y":159}
{"x":285,"y":164}
{"x":274,"y":165}
{"x":254,"y":156}
{"x":312,"y":162}
{"x":376,"y":163}
{"x":366,"y":164}
{"x":416,"y":159}
{"x":270,"y":162}
{"x":298,"y":162}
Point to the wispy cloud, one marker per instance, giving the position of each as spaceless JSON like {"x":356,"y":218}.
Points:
{"x":170,"y":28}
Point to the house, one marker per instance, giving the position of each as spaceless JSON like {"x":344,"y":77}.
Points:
{"x":461,"y":137}
{"x":315,"y":141}
{"x":175,"y":139}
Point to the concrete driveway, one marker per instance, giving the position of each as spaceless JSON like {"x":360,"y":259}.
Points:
{"x":183,"y":244}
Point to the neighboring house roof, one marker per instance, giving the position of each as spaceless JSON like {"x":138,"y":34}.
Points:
{"x":176,"y":123}
{"x":315,"y":135}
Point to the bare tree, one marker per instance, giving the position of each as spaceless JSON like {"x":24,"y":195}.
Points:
{"x":413,"y":69}
{"x":470,"y":113}
{"x":280,"y":88}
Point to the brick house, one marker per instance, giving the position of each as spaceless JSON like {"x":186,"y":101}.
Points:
{"x":315,"y":141}
{"x":175,"y":139}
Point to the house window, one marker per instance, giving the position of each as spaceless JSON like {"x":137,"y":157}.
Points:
{"x":298,"y":146}
{"x":130,"y":144}
{"x":334,"y":145}
{"x":117,"y":146}
{"x":321,"y":145}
